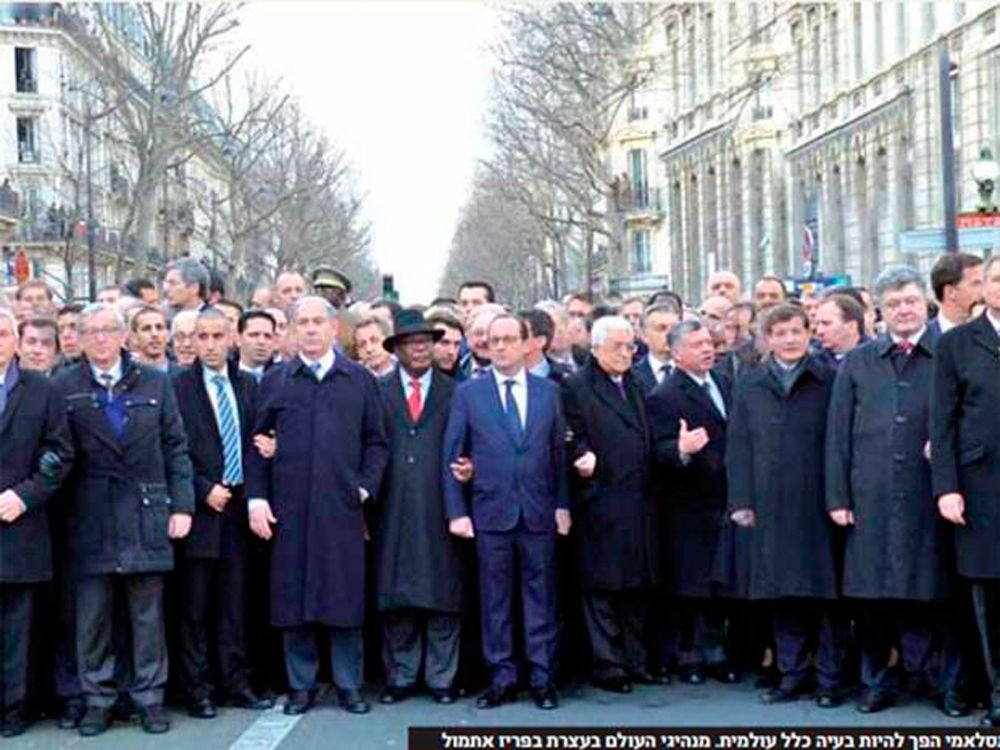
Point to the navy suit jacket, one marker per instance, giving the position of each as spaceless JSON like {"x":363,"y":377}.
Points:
{"x":512,"y":479}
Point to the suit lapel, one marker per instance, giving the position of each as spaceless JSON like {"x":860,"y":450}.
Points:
{"x":14,"y":396}
{"x":608,"y":392}
{"x":489,"y":382}
{"x":985,"y":336}
{"x":700,"y":395}
{"x":205,"y":405}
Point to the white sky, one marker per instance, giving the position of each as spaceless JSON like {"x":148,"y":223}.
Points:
{"x":401,"y":87}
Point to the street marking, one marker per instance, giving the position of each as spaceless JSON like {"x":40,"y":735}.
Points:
{"x":267,"y":732}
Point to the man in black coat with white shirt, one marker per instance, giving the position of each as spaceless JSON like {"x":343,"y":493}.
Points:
{"x":655,"y":325}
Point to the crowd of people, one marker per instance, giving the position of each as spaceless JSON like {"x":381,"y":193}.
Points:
{"x":802,"y":492}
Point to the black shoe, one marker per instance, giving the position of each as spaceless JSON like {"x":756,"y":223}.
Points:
{"x":298,"y":702}
{"x":829,"y":699}
{"x":247,"y":698}
{"x":202,"y":708}
{"x":546,"y":698}
{"x":651,"y":678}
{"x":444,"y":696}
{"x":619,"y":684}
{"x":154,"y":719}
{"x":395,"y":694}
{"x":72,"y":713}
{"x":780,"y":695}
{"x":124,"y":708}
{"x":352,"y":701}
{"x":692,"y":675}
{"x":953,"y":705}
{"x":496,"y":696}
{"x":725,"y":673}
{"x":94,"y":721}
{"x":14,"y":722}
{"x":767,"y":678}
{"x":873,"y":701}
{"x":991,"y":719}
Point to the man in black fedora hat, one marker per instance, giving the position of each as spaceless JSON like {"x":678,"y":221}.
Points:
{"x":331,"y":285}
{"x":420,"y":567}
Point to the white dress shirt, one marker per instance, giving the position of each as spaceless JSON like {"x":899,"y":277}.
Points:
{"x":325,"y":363}
{"x":709,"y":384}
{"x":914,"y":339}
{"x":519,"y":391}
{"x":425,"y":384}
{"x":115,"y":371}
{"x":659,"y":367}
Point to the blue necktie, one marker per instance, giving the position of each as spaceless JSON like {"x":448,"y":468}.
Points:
{"x":232,"y":467}
{"x":314,"y":369}
{"x":513,"y":414}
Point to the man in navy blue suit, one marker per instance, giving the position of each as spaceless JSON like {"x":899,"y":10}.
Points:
{"x":511,"y":426}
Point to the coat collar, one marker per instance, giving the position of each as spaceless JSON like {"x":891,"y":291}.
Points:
{"x":689,"y":386}
{"x":984,"y":334}
{"x":606,"y":390}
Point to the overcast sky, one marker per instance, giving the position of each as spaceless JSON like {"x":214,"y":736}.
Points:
{"x":401,"y":86}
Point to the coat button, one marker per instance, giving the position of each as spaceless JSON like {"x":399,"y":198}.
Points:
{"x":413,"y":433}
{"x":409,"y":459}
{"x":900,"y":419}
{"x":898,"y":457}
{"x":145,"y":501}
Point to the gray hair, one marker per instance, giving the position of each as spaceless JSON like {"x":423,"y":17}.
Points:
{"x":554,"y":310}
{"x":7,"y":314}
{"x":293,"y":310}
{"x":660,"y":307}
{"x":182,"y":317}
{"x":375,"y":320}
{"x":96,"y":308}
{"x":896,"y":277}
{"x":605,"y":326}
{"x":677,"y":333}
{"x":192,"y":272}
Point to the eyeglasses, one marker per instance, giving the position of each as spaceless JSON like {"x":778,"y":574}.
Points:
{"x":505,"y":340}
{"x":95,"y":332}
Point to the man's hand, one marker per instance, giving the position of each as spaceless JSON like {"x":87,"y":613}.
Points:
{"x":11,"y":506}
{"x":745,"y":518}
{"x":563,"y":522}
{"x":952,"y":508}
{"x":261,"y":520}
{"x":179,"y":525}
{"x":927,"y":450}
{"x":586,"y":464}
{"x":842,"y":517}
{"x":690,"y":442}
{"x":266,"y":445}
{"x":217,"y":497}
{"x":462,"y":527}
{"x":461,"y":469}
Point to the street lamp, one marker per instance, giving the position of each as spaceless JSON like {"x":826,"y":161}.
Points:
{"x":986,"y":171}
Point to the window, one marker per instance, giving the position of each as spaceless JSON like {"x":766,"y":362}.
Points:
{"x":817,"y":64}
{"x":692,"y":61}
{"x":859,"y":59}
{"x":800,"y":72}
{"x":709,"y":51}
{"x":27,"y":141}
{"x":833,"y":57}
{"x":879,"y":37}
{"x":637,"y":177}
{"x":25,"y":75}
{"x":642,"y":256}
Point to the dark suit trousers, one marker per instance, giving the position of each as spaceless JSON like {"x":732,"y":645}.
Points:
{"x":701,"y":632}
{"x":17,"y":602}
{"x":501,"y":555}
{"x":66,"y":677}
{"x":302,"y":656}
{"x":96,"y":654}
{"x":411,"y":636}
{"x":614,"y":622}
{"x":804,"y":624}
{"x":213,"y":617}
{"x":986,"y":602}
{"x":910,"y":626}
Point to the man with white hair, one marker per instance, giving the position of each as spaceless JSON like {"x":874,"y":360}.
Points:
{"x":477,"y":361}
{"x":182,"y":337}
{"x":726,"y":284}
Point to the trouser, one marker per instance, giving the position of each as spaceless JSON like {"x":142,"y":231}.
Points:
{"x":501,"y":556}
{"x":911,"y":627}
{"x":986,"y":603}
{"x":97,"y":658}
{"x":411,"y":635}
{"x":17,"y":602}
{"x":614,"y":622}
{"x":213,"y":617}
{"x":701,"y":632}
{"x":660,"y":632}
{"x":67,"y":678}
{"x":802,"y":624}
{"x":302,"y":656}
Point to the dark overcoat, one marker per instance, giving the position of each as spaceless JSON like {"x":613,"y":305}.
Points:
{"x":775,"y":452}
{"x":418,"y":562}
{"x":122,"y":492}
{"x":36,"y":454}
{"x":878,"y":427}
{"x":331,"y":443}
{"x":694,"y":497}
{"x":614,"y":520}
{"x":211,"y":531}
{"x":965,"y":439}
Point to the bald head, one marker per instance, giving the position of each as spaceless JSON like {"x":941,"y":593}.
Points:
{"x":725,"y":284}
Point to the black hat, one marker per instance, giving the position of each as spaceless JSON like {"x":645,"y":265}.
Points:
{"x":410,"y":322}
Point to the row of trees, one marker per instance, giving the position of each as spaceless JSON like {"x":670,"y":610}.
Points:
{"x":563,"y":73}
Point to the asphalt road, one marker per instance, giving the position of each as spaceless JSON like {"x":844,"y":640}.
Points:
{"x":326,"y":727}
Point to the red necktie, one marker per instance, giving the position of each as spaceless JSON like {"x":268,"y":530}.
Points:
{"x":904,"y":347}
{"x":415,"y":402}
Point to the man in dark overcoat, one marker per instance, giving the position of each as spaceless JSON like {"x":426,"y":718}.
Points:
{"x":614,"y":534}
{"x":687,"y":415}
{"x":965,"y":462}
{"x":775,"y":451}
{"x":420,"y":567}
{"x":326,"y":414}
{"x":130,"y":494}
{"x":36,"y":453}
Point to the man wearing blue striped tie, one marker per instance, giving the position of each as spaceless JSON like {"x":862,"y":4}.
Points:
{"x":217,"y":406}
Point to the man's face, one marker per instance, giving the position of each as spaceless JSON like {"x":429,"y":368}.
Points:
{"x":102,"y":337}
{"x":37,"y":299}
{"x":578,"y":333}
{"x":991,"y":288}
{"x":768,"y":293}
{"x":232,"y":315}
{"x":471,"y":297}
{"x":715,"y":308}
{"x":183,"y":341}
{"x":262,"y":298}
{"x":446,"y":348}
{"x":150,"y":336}
{"x":109,"y":296}
{"x":150,"y":296}
{"x":69,"y":337}
{"x":655,"y":330}
{"x":8,"y":341}
{"x":811,"y":304}
{"x":368,"y":344}
{"x":614,"y":354}
{"x":789,"y":340}
{"x":904,"y":310}
{"x":506,"y":345}
{"x":534,"y":346}
{"x":833,"y":332}
{"x":560,"y":333}
{"x":415,"y":353}
{"x":284,"y":342}
{"x":870,"y":315}
{"x":479,"y":336}
{"x":632,"y":312}
{"x":290,"y":287}
{"x":969,"y":291}
{"x":578,"y":309}
{"x":696,"y":352}
{"x":725,"y":284}
{"x":212,"y":338}
{"x":38,"y":348}
{"x":332,"y":294}
{"x":314,"y":330}
{"x":257,"y":342}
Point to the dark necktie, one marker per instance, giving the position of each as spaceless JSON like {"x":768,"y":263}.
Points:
{"x":511,"y":410}
{"x":3,"y":397}
{"x":904,"y":347}
{"x":620,"y":385}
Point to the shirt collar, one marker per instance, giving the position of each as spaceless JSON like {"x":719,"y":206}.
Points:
{"x":424,"y":380}
{"x":696,"y":378}
{"x":993,"y":320}
{"x":945,"y":323}
{"x":913,"y":339}
{"x":325,"y":362}
{"x":8,"y":375}
{"x":542,"y":369}
{"x":209,"y":374}
{"x":656,"y":364}
{"x":520,"y":377}
{"x":116,"y":371}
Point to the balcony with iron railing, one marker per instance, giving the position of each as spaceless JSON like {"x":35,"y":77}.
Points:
{"x":638,"y":201}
